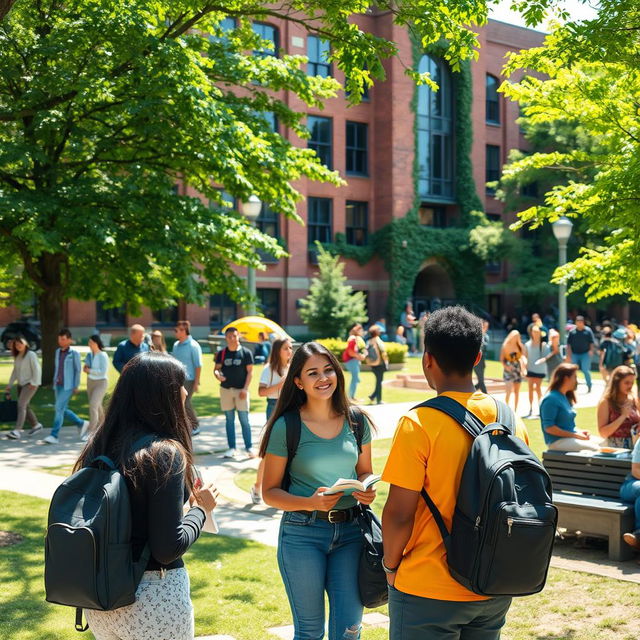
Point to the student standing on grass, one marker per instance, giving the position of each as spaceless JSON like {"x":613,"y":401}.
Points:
{"x":96,"y":365}
{"x":27,"y":373}
{"x":66,"y":380}
{"x":149,"y":400}
{"x":353,"y":356}
{"x":234,"y":369}
{"x":188,"y":351}
{"x":378,"y":360}
{"x":618,"y":411}
{"x":513,"y":363}
{"x":271,"y":382}
{"x":558,"y":416}
{"x":320,"y":541}
{"x":535,"y":352}
{"x":429,"y":452}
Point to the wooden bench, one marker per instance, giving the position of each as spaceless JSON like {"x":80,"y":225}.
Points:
{"x":586,"y":490}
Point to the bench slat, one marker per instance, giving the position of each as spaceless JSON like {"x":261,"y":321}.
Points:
{"x":587,"y":480}
{"x":615,"y":472}
{"x":587,"y":502}
{"x":582,"y":490}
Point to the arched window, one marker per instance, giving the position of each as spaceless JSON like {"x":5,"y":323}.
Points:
{"x":435,"y":132}
{"x":492,"y":100}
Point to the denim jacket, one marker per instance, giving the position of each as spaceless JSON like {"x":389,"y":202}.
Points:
{"x":71,"y":369}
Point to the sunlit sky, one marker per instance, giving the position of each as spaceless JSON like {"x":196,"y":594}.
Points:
{"x":577,"y":9}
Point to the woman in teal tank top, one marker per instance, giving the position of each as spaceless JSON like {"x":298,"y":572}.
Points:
{"x":320,"y":541}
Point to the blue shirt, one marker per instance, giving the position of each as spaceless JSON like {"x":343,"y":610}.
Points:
{"x":190,"y":354}
{"x":67,"y":369}
{"x":125,"y":351}
{"x":556,"y":409}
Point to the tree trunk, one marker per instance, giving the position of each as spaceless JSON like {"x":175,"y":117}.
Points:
{"x":50,"y":303}
{"x":5,"y":7}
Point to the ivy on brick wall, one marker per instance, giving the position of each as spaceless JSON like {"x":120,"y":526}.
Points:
{"x":404,"y":244}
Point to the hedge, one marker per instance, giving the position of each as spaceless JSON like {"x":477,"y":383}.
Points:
{"x":397,"y":352}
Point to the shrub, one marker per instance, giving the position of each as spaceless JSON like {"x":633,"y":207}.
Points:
{"x":397,"y":352}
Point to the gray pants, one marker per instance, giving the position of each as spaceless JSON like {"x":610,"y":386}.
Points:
{"x":416,"y":618}
{"x":25,"y":394}
{"x":162,"y":611}
{"x":191,"y":414}
{"x":96,"y":390}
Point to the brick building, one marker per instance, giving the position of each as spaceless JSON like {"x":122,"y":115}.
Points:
{"x":374,"y":146}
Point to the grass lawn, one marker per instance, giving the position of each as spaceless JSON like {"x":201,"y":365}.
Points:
{"x":236,"y":590}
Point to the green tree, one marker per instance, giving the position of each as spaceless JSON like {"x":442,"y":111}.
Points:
{"x":332,"y":306}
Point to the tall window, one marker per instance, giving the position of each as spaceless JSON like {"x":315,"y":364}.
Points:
{"x":357,"y":161}
{"x":166,"y":317}
{"x":318,"y":54}
{"x":110,"y":316}
{"x":319,"y":220}
{"x":435,"y":132}
{"x":492,"y":100}
{"x":222,"y":310}
{"x":269,"y":300}
{"x":320,"y":140}
{"x":433,"y":216}
{"x":269,"y":33}
{"x":492,"y":172}
{"x":357,"y":227}
{"x":268,"y":222}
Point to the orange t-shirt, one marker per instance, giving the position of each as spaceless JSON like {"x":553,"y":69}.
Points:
{"x":430,"y":450}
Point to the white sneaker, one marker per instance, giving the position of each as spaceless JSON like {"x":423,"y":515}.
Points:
{"x":16,"y":434}
{"x":229,"y":453}
{"x":49,"y":440}
{"x":251,"y":452}
{"x":256,"y":498}
{"x":83,"y":429}
{"x":35,"y":429}
{"x":85,"y":437}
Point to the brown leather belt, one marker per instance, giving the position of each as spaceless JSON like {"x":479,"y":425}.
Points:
{"x":335,"y":515}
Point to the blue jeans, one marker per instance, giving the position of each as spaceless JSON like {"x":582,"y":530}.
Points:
{"x":315,"y":557}
{"x":630,"y":492}
{"x":61,"y":412}
{"x":415,"y":618}
{"x":271,"y":405}
{"x":353,"y":367}
{"x":230,"y":417}
{"x":583,"y":360}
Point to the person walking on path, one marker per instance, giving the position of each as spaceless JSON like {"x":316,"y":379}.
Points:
{"x":408,"y":321}
{"x":513,"y":362}
{"x":27,"y":374}
{"x":149,"y":401}
{"x":158,"y":342}
{"x":66,"y":380}
{"x":536,"y":353}
{"x":188,"y":351}
{"x":233,"y":370}
{"x":96,"y":366}
{"x":378,"y":360}
{"x":558,"y":417}
{"x":130,"y":347}
{"x":554,"y":358}
{"x":580,"y":346}
{"x":353,"y":356}
{"x":320,"y":541}
{"x":429,"y":452}
{"x":271,"y":381}
{"x":618,"y":409}
{"x":482,"y":363}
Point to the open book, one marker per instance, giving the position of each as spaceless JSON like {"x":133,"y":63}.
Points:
{"x":351,"y":485}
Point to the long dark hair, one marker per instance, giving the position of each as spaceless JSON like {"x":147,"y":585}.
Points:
{"x":146,"y":400}
{"x":19,"y":338}
{"x":292,"y":398}
{"x":98,"y":340}
{"x":275,"y":363}
{"x":613,"y":386}
{"x":562,"y":371}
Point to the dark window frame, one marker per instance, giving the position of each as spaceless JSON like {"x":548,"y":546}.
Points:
{"x":223,"y":304}
{"x":323,"y":148}
{"x":492,"y":172}
{"x":276,"y":38}
{"x":268,"y":291}
{"x":316,"y":61}
{"x":166,"y":317}
{"x":268,"y":222}
{"x":110,"y":316}
{"x":492,"y":99}
{"x":321,"y":231}
{"x":357,"y":233}
{"x":357,"y":148}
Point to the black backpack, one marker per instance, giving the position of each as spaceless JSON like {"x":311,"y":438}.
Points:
{"x":614,"y":355}
{"x":88,"y":562}
{"x":372,"y":580}
{"x":504,"y":522}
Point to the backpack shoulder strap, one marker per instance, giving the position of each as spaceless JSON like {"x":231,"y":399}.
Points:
{"x":356,"y":420}
{"x":294,"y":428}
{"x":506,"y":417}
{"x":467,"y":420}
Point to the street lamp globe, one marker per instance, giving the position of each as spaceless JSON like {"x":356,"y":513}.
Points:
{"x":562,"y":228}
{"x":251,"y":208}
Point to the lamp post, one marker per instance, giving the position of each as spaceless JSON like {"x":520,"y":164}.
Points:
{"x":251,"y":211}
{"x":562,"y":231}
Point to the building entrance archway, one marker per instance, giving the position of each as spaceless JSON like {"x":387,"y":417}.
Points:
{"x":432,"y":289}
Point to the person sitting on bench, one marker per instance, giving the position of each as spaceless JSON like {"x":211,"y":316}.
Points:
{"x":630,"y":491}
{"x":558,"y":416}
